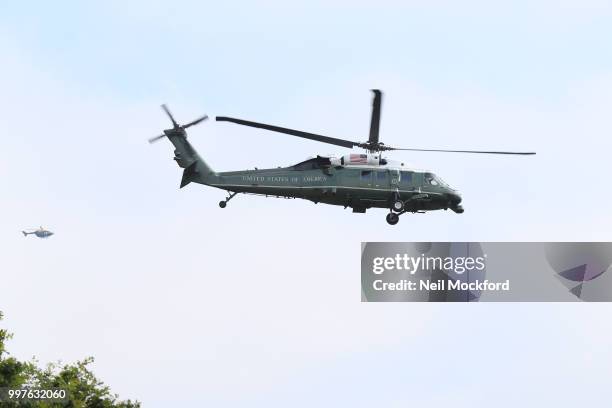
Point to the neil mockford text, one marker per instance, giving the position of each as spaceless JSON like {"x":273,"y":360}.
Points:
{"x":427,"y":264}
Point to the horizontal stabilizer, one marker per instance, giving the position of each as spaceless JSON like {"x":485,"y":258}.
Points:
{"x":189,"y":174}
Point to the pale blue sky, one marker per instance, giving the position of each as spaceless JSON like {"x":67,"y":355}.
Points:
{"x":259,"y":304}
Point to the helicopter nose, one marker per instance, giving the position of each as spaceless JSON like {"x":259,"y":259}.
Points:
{"x":455,"y":197}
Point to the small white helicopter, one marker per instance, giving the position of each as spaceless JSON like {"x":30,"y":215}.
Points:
{"x":40,"y":233}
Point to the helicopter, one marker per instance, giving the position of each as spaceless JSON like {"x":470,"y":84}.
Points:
{"x":40,"y":233}
{"x":359,"y":181}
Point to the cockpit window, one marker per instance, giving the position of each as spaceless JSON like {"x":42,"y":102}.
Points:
{"x":433,"y":180}
{"x":429,"y":179}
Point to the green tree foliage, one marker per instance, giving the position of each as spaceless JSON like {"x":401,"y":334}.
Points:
{"x":84,"y":390}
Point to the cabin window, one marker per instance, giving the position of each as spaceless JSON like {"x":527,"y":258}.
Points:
{"x":366,"y":175}
{"x":406,"y":178}
{"x":381,"y":175}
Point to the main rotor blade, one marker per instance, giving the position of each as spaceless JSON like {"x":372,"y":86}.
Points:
{"x":165,"y":108}
{"x":461,"y":151}
{"x":375,"y":121}
{"x":195,"y":122}
{"x":305,"y":135}
{"x":156,"y":138}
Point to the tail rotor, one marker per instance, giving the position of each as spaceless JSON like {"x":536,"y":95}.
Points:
{"x":176,"y":128}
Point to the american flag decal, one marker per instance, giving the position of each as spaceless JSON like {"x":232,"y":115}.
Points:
{"x":359,"y":158}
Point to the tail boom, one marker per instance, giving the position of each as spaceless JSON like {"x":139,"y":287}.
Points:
{"x":196,"y":169}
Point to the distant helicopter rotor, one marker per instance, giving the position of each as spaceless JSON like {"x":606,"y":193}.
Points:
{"x":176,"y":128}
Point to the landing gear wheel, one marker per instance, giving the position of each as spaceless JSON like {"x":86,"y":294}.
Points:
{"x":223,"y":203}
{"x":392,"y":218}
{"x":397,"y":206}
